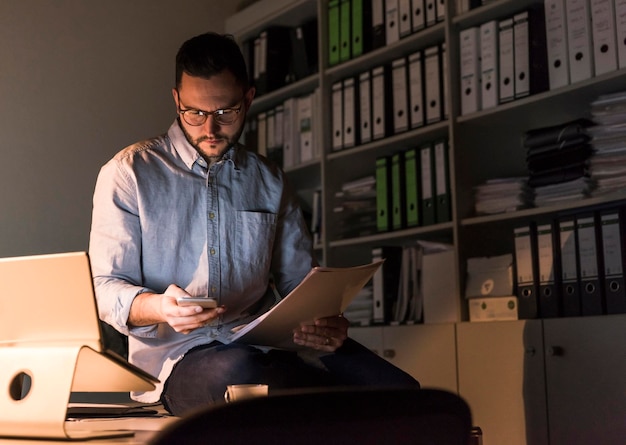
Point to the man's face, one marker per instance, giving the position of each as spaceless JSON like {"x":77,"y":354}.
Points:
{"x":220,"y":92}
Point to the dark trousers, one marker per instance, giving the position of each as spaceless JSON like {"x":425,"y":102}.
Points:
{"x":200,"y":378}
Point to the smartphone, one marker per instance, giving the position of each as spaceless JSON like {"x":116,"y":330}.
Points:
{"x":207,"y":303}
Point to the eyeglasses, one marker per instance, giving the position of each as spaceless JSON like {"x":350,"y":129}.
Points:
{"x":224,"y":116}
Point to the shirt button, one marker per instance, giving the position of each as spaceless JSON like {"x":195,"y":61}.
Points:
{"x":213,"y":289}
{"x":211,"y":215}
{"x":212,"y":251}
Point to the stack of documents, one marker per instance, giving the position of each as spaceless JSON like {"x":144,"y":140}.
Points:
{"x":557,"y":158}
{"x":355,"y":208}
{"x":502,"y":195}
{"x":608,"y":165}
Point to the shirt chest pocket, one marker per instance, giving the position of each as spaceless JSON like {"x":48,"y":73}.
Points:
{"x":254,"y":236}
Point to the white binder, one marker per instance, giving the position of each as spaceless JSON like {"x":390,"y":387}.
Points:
{"x":349,"y":121}
{"x":378,"y":103}
{"x":392,"y":19}
{"x":418,"y":15}
{"x":404,"y":16}
{"x":432,"y":84}
{"x":470,"y":69}
{"x":556,"y":42}
{"x":416,"y":90}
{"x":400,"y":96}
{"x":620,"y":31}
{"x":521,"y":53}
{"x":365,"y":108}
{"x":603,"y":36}
{"x":337,"y":110}
{"x":579,"y":40}
{"x":489,"y":64}
{"x":506,"y":60}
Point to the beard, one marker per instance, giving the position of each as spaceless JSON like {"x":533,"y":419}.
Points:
{"x":217,"y":151}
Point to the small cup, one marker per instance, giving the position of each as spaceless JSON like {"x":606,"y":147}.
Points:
{"x":241,"y":392}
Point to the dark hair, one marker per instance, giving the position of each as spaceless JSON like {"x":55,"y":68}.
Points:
{"x":208,"y":54}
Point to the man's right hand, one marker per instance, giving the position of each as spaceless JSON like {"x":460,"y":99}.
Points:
{"x":149,"y":308}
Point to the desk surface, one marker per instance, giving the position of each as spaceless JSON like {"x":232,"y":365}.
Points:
{"x":144,"y":428}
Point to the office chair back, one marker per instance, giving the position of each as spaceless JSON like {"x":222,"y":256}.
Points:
{"x":335,"y":416}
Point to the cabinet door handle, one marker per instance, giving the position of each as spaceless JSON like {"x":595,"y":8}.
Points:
{"x":556,"y":351}
{"x":389,"y":353}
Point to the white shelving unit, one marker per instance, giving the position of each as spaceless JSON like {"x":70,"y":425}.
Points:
{"x":503,"y":369}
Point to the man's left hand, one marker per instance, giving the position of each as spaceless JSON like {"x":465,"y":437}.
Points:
{"x":324,"y":334}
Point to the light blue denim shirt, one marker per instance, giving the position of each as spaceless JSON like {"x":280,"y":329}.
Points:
{"x":161,"y":217}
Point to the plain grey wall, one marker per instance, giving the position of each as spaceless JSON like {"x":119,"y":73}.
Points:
{"x":80,"y":80}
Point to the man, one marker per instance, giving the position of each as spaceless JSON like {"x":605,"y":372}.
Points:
{"x":192,"y":213}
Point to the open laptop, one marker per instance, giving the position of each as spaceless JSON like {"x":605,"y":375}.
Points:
{"x":50,"y":337}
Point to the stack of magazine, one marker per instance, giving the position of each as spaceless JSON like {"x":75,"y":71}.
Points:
{"x":608,"y":165}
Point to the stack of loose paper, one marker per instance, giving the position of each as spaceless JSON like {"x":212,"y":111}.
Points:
{"x":355,"y":208}
{"x":557,"y":158}
{"x":502,"y":195}
{"x":608,"y":164}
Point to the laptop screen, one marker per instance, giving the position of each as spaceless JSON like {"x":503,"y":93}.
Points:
{"x":48,"y":299}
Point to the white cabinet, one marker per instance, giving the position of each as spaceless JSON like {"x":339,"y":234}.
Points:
{"x":580,"y":398}
{"x":586,"y":384}
{"x":501,"y":376}
{"x":427,"y":352}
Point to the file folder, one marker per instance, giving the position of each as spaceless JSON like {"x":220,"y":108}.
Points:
{"x":579,"y":40}
{"x":570,"y":279}
{"x":418,"y":18}
{"x":291,"y":137}
{"x":361,"y":29}
{"x":556,"y":43}
{"x":506,"y":60}
{"x":337,"y":114}
{"x":380,"y":102}
{"x":386,"y":282}
{"x":400,"y":95}
{"x":305,"y":126}
{"x":526,"y":271}
{"x":383,"y":194}
{"x":392,"y":19}
{"x":443,"y":211}
{"x":470,"y":69}
{"x":333,"y":32}
{"x":433,"y":84}
{"x":620,"y":31}
{"x":416,"y":90}
{"x":603,"y":36}
{"x":404,"y":14}
{"x":275,"y":57}
{"x":349,"y":110}
{"x":589,"y":257}
{"x":531,"y":57}
{"x":378,"y":24}
{"x":489,"y":64}
{"x":398,"y":192}
{"x":427,"y":169}
{"x":440,"y":10}
{"x":413,"y":193}
{"x":444,"y":80}
{"x":365,"y":107}
{"x":431,"y":12}
{"x":304,"y":49}
{"x":345,"y":31}
{"x":613,"y":261}
{"x":549,"y":301}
